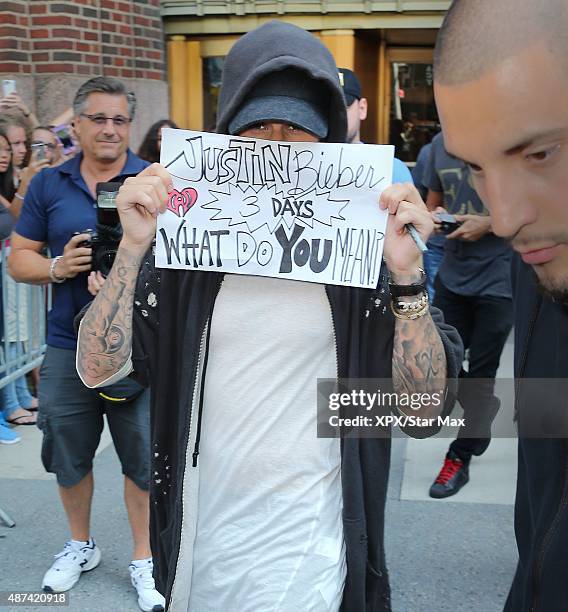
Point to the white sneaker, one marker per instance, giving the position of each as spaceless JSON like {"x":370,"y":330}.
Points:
{"x":149,"y":599}
{"x":70,"y":563}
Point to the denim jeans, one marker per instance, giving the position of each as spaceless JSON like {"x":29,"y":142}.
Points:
{"x":16,"y":393}
{"x":432,"y":260}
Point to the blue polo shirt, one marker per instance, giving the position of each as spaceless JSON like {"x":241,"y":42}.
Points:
{"x":57,"y":205}
{"x":400,"y":172}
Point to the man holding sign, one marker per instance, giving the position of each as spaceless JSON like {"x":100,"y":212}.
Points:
{"x":250,"y":510}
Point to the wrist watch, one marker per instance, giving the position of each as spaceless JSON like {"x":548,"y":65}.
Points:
{"x":416,"y":288}
{"x":54,"y":278}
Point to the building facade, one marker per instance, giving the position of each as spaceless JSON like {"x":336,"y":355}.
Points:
{"x":388,"y":43}
{"x":50,"y":47}
{"x":171,"y":54}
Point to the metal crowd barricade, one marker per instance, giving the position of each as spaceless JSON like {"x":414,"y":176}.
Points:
{"x":23,"y":334}
{"x":24,"y":314}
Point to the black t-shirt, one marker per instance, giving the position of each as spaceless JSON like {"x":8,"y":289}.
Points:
{"x":468,"y":268}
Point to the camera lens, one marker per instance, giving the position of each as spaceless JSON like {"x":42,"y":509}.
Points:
{"x":105,"y":261}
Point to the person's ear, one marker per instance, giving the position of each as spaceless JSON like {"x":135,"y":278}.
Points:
{"x":363,"y":109}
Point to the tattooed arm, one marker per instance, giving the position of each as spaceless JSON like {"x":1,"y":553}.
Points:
{"x":105,"y":335}
{"x":419,"y":362}
{"x":421,"y":347}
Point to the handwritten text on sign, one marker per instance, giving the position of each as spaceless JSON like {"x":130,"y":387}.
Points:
{"x":301,"y":211}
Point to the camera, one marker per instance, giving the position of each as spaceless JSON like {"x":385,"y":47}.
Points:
{"x":104,"y":242}
{"x":448,"y":223}
{"x":105,"y":239}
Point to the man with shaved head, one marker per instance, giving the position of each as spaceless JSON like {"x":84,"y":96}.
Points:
{"x":501,"y":85}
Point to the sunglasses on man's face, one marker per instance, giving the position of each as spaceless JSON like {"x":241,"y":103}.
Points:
{"x":100,"y":120}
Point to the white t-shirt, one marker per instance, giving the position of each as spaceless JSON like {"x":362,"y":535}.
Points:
{"x":269,"y":529}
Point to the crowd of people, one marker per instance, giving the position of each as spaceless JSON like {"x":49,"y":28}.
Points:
{"x":26,"y":148}
{"x":230,"y":510}
{"x":48,"y":198}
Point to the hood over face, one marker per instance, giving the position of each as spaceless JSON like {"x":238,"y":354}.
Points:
{"x":273,"y":47}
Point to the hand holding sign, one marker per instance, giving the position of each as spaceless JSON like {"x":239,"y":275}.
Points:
{"x":404,"y":205}
{"x":139,"y":201}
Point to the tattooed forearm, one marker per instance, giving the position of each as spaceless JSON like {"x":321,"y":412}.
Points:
{"x":419,"y":360}
{"x":105,"y":337}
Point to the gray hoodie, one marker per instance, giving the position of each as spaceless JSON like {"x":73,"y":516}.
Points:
{"x":273,"y":47}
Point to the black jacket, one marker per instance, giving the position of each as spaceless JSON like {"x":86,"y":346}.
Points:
{"x":541,"y":507}
{"x":169,"y":359}
{"x":167,"y":356}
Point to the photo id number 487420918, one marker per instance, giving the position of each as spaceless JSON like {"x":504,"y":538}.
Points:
{"x":32,"y":598}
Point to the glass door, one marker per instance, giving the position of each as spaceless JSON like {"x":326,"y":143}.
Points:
{"x":413,"y":118}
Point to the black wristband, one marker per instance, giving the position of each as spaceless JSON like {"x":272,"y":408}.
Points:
{"x":416,"y":288}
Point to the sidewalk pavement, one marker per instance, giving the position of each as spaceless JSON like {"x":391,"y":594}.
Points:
{"x":456,"y":554}
{"x":453,"y":555}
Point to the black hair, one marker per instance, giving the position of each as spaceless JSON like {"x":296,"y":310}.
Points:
{"x":149,"y":150}
{"x":7,"y":189}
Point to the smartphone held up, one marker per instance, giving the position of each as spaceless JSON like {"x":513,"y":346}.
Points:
{"x":39,"y":151}
{"x":448,"y":223}
{"x":8,"y":87}
{"x":63,"y":133}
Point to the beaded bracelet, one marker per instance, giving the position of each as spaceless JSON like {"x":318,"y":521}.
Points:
{"x":410,"y":310}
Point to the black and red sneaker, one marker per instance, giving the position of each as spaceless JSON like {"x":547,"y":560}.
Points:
{"x":452,"y":477}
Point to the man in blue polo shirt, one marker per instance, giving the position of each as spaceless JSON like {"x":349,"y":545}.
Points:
{"x":60,"y":202}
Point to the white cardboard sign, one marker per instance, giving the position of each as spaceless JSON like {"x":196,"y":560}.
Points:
{"x":303,"y":211}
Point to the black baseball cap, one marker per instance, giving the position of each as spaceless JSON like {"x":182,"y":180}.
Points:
{"x":289,"y":96}
{"x":351,"y":85}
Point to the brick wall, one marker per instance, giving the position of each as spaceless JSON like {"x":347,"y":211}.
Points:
{"x":50,"y":47}
{"x":15,"y":44}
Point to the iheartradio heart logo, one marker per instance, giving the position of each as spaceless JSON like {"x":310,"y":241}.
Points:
{"x":181,"y":201}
